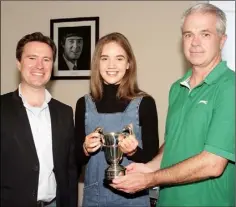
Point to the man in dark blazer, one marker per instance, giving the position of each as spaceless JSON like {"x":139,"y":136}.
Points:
{"x":38,"y":166}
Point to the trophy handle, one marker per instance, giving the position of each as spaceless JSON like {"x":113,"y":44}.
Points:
{"x":100,"y":131}
{"x":128,"y":130}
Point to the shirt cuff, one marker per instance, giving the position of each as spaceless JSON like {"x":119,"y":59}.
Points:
{"x":220,"y":152}
{"x":137,"y":156}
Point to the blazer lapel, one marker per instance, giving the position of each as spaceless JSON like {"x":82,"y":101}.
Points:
{"x":22,"y":122}
{"x":55,"y":129}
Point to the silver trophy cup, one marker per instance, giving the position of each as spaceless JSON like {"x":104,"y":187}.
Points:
{"x":112,"y":152}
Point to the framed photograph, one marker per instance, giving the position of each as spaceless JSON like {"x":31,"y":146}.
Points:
{"x":75,"y":39}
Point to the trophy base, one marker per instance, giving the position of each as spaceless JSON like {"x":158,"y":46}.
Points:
{"x":113,"y":171}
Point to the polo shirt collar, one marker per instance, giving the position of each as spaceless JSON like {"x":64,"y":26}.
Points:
{"x":185,"y":80}
{"x":216,"y":72}
{"x":212,"y":77}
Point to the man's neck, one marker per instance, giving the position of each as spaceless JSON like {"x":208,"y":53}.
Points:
{"x":33,"y":96}
{"x":72,"y":61}
{"x":199,"y":73}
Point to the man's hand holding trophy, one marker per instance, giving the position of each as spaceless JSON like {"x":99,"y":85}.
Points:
{"x":114,"y":145}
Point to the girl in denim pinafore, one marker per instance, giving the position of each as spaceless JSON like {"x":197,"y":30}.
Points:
{"x":114,"y":101}
{"x":95,"y":192}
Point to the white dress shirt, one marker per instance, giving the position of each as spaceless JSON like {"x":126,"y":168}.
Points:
{"x":40,"y":123}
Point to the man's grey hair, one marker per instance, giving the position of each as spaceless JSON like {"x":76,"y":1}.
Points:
{"x":211,"y":9}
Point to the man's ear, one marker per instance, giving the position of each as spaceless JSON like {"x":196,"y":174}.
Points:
{"x":18,"y":65}
{"x":63,"y":44}
{"x":127,"y":66}
{"x":222,"y":41}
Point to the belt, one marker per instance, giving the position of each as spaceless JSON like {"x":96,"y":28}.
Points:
{"x":42,"y":203}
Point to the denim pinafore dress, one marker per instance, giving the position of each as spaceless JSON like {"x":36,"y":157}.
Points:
{"x":96,"y":193}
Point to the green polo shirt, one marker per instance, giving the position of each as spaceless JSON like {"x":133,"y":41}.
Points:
{"x":201,"y":119}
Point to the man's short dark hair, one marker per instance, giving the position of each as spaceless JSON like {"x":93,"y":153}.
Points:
{"x":38,"y":37}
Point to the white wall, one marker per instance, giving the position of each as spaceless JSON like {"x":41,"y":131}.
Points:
{"x":228,"y":52}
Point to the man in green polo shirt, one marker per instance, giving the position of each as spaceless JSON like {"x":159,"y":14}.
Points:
{"x":195,"y":165}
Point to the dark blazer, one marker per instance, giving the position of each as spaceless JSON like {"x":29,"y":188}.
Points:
{"x":19,"y":161}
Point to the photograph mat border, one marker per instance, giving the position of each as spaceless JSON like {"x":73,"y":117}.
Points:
{"x":57,"y":25}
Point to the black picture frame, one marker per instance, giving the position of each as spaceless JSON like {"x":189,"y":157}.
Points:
{"x":75,"y":39}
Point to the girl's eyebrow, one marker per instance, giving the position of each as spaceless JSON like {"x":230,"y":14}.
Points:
{"x":116,"y":56}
